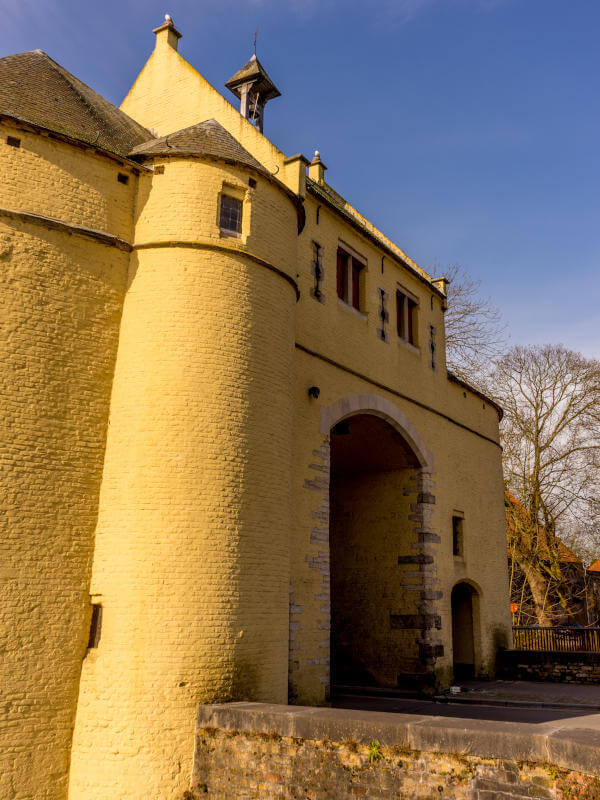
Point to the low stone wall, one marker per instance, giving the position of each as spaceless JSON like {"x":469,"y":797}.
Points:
{"x":250,"y":750}
{"x":542,"y":665}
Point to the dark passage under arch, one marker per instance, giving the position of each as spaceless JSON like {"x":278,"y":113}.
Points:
{"x":373,"y":484}
{"x":463,"y":639}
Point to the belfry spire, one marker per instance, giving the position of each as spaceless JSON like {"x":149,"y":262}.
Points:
{"x":254,"y":88}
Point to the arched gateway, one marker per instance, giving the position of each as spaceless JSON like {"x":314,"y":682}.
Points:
{"x":464,"y":600}
{"x":384,"y":623}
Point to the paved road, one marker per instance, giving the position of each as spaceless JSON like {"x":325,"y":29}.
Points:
{"x":567,"y":717}
{"x":536,"y":691}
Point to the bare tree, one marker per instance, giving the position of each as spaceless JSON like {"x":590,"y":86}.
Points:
{"x":475,"y":333}
{"x":551,"y":439}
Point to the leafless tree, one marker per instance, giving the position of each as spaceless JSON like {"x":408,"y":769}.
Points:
{"x":551,"y":440}
{"x":475,"y":333}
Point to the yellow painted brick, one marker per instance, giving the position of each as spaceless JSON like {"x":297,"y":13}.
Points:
{"x":163,"y":451}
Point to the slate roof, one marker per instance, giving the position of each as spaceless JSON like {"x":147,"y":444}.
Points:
{"x":208,"y":138}
{"x":35,"y":89}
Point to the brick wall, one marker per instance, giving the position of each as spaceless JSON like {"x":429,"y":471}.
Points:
{"x":191,"y":562}
{"x":61,"y":296}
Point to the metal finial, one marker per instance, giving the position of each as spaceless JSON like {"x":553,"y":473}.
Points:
{"x":255,"y":38}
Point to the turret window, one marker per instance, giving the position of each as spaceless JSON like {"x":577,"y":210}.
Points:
{"x":230,"y":220}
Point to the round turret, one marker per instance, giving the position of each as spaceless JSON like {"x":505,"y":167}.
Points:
{"x":192,"y":549}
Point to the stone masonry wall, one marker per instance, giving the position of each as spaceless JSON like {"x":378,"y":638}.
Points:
{"x":530,"y":665}
{"x":262,"y":763}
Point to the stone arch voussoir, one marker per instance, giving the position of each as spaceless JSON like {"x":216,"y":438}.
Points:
{"x":380,"y":407}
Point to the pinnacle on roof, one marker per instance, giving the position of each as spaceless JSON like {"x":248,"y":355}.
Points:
{"x":167,"y":33}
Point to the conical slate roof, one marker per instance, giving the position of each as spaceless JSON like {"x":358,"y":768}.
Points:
{"x":254,"y":72}
{"x":35,"y":89}
{"x":208,"y":138}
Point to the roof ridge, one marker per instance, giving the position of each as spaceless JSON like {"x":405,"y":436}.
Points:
{"x":189,"y":128}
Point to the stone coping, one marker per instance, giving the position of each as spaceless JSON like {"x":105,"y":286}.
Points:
{"x":566,"y":747}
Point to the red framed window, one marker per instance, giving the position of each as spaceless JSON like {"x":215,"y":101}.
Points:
{"x":406,"y":317}
{"x":410,"y":320}
{"x":357,"y":268}
{"x":342,"y":275}
{"x":400,"y":298}
{"x":349,"y":279}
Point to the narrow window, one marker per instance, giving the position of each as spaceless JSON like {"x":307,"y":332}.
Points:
{"x":457,"y":536}
{"x":231,"y":215}
{"x":400,"y":313}
{"x":12,"y":141}
{"x":410,"y":320}
{"x":122,"y":178}
{"x":95,"y":625}
{"x":349,"y":279}
{"x":406,"y":317}
{"x":342,"y":275}
{"x":356,"y":270}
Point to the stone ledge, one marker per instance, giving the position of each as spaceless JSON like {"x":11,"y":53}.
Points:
{"x":574,"y":749}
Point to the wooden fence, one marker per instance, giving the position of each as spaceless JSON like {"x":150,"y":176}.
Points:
{"x":563,"y":640}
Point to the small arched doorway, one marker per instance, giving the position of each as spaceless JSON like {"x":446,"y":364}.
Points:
{"x":464,"y":599}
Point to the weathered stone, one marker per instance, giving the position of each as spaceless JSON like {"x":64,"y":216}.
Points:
{"x":416,"y":621}
{"x":429,"y":537}
{"x":425,"y":497}
{"x":419,"y":558}
{"x":249,"y":750}
{"x":427,"y":651}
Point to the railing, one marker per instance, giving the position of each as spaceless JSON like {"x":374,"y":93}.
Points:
{"x":564,"y":640}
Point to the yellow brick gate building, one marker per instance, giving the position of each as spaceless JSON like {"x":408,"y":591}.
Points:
{"x":234,"y":463}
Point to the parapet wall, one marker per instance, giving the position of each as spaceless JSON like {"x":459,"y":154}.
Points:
{"x":250,"y":750}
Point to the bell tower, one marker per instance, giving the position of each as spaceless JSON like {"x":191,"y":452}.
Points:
{"x":254,"y":88}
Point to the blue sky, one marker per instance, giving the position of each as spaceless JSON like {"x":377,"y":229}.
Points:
{"x":467,"y":130}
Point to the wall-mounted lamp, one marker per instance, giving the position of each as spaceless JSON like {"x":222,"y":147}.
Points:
{"x":314,"y":392}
